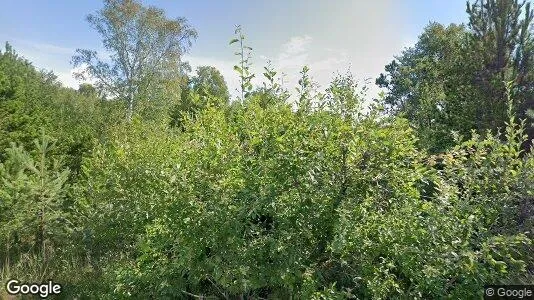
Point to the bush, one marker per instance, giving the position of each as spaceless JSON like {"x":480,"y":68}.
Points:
{"x":268,"y":202}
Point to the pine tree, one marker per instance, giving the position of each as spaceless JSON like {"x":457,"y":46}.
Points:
{"x":33,"y":189}
{"x":502,"y":32}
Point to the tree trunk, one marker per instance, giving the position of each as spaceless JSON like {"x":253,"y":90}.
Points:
{"x":129,"y":112}
{"x":41,"y":234}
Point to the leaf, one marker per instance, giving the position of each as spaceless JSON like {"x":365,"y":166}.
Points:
{"x":233,"y":41}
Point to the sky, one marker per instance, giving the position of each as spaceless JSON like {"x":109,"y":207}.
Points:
{"x":329,"y":36}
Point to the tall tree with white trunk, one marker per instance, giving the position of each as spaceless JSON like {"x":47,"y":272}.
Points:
{"x":145,"y":50}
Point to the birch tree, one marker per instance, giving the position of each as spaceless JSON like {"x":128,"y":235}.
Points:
{"x":145,"y":50}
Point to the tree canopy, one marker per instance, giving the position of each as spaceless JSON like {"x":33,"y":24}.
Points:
{"x":145,"y":49}
{"x":455,"y":77}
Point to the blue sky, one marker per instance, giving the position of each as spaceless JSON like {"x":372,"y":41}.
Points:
{"x":328,"y":36}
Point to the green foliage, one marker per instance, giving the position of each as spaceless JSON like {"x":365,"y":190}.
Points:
{"x":272,"y":92}
{"x":31,"y":100}
{"x":243,"y":69}
{"x":146,"y":49}
{"x":210,"y":84}
{"x":206,"y":88}
{"x":449,"y":244}
{"x":306,"y":91}
{"x":430,"y":84}
{"x":32,"y":209}
{"x":453,"y":78}
{"x":119,"y":182}
{"x":21,"y":86}
{"x":335,"y":203}
{"x":88,"y":90}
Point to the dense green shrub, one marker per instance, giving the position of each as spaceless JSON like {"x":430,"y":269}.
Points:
{"x":269,"y":202}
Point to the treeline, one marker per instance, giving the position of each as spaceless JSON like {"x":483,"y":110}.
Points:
{"x":153,"y":183}
{"x":455,"y":77}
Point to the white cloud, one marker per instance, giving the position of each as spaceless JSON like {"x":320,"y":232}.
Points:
{"x":322,"y":61}
{"x":48,"y":49}
{"x":68,"y":79}
{"x":54,"y":58}
{"x":49,"y":57}
{"x":297,"y":44}
{"x":294,"y":54}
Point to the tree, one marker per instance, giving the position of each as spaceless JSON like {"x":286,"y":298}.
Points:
{"x":207,"y":87}
{"x":209,"y":83}
{"x":453,"y":79}
{"x":146,"y":50}
{"x":305,"y":85}
{"x":87,"y":90}
{"x":502,"y":34}
{"x":20,"y":87}
{"x":31,"y":100}
{"x":431,"y":85}
{"x":32,"y":191}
